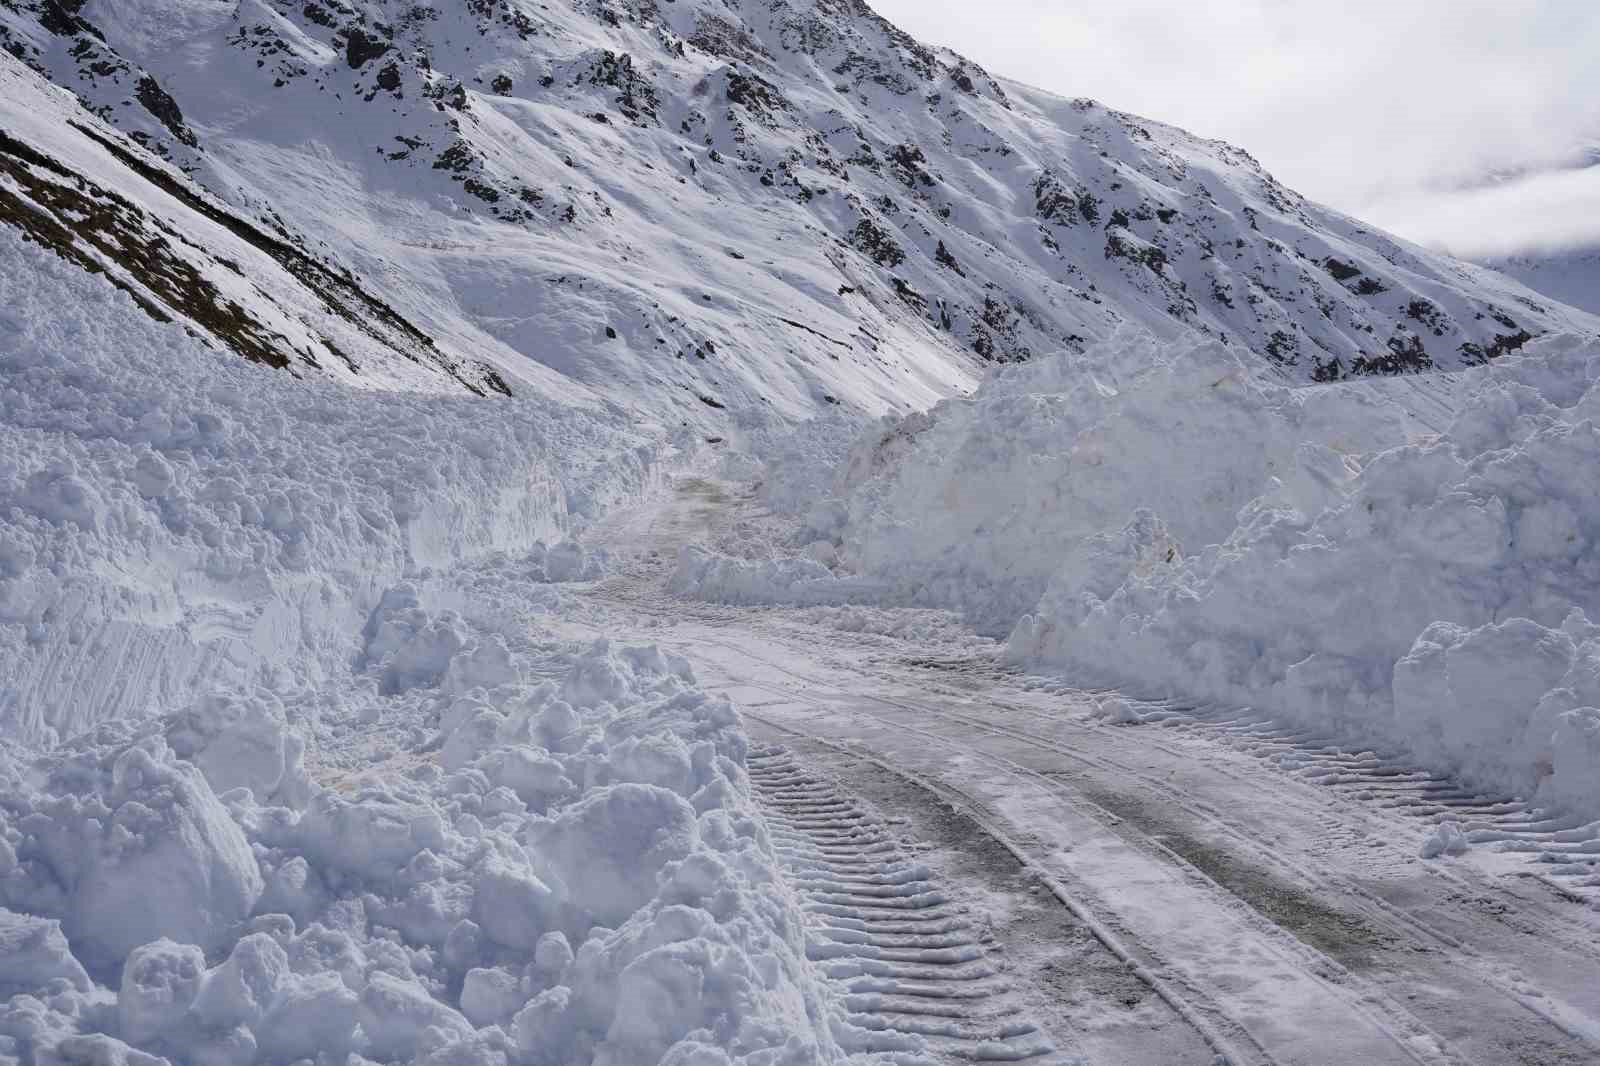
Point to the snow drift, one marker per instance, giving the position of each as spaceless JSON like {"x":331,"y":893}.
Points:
{"x":570,"y":871}
{"x":289,"y":770}
{"x":173,"y":520}
{"x":1437,"y":596}
{"x":1408,"y":561}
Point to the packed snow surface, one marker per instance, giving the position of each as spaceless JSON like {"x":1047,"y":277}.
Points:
{"x":1409,"y":561}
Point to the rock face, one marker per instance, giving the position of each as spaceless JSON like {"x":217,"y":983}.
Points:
{"x":776,"y":204}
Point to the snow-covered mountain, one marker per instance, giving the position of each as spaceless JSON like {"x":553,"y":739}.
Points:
{"x":694,"y":207}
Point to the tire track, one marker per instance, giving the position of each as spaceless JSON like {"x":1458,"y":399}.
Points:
{"x":1566,"y":849}
{"x":1515,"y":989}
{"x":906,"y":956}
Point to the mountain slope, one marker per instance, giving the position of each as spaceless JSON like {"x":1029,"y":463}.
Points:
{"x":758,"y":205}
{"x":73,"y":184}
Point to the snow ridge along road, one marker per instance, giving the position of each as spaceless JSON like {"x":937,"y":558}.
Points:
{"x":1293,"y":920}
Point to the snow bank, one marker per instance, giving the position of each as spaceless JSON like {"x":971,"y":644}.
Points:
{"x":796,"y":465}
{"x":173,"y":519}
{"x":289,"y":771}
{"x":1439,"y":598}
{"x":1408,"y":562}
{"x":568,"y":869}
{"x":971,"y":505}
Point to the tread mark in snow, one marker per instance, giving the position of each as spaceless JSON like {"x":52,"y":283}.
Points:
{"x":1567,"y":849}
{"x":906,"y":957}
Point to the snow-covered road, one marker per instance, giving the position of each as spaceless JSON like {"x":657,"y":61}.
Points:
{"x":1260,"y":891}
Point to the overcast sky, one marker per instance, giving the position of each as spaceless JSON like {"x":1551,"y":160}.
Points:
{"x":1382,"y":108}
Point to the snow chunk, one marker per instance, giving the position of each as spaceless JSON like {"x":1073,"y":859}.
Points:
{"x":142,"y":847}
{"x":607,"y":850}
{"x":245,"y":986}
{"x":34,"y":952}
{"x":399,"y":1016}
{"x":491,"y":996}
{"x":1448,"y":838}
{"x":159,"y":982}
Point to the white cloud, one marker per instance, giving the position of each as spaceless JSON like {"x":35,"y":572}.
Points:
{"x":1362,"y":104}
{"x":1542,"y":213}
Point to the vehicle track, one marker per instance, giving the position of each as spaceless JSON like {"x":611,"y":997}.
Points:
{"x":906,"y":956}
{"x":1409,"y":1037}
{"x":1125,"y":819}
{"x":1365,"y":783}
{"x":1232,"y":1044}
{"x":1387,"y":782}
{"x":1567,"y":848}
{"x":1063,"y":749}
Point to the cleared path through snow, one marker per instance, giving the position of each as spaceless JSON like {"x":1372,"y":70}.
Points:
{"x":1287,"y":921}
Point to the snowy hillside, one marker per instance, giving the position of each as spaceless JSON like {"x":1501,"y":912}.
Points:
{"x":76,"y":186}
{"x":697,"y":207}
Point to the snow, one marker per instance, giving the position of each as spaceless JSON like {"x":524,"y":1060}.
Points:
{"x":289,"y":771}
{"x":422,"y":911}
{"x":968,"y":506}
{"x":174,"y":520}
{"x":300,"y":757}
{"x":1405,"y":562}
{"x":1436,"y":598}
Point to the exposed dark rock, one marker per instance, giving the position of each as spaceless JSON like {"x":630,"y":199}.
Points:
{"x":1053,"y":202}
{"x":1406,"y":356}
{"x":1478,"y":354}
{"x":636,"y":97}
{"x":872,"y":241}
{"x":755,"y":94}
{"x":943,"y":257}
{"x":1340,"y":270}
{"x":160,"y":103}
{"x":359,"y":48}
{"x":1281,"y":348}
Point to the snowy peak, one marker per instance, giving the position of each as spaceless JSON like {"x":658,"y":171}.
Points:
{"x":699,"y":207}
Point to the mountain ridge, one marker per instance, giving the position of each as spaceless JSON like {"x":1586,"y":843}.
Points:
{"x":709,"y":210}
